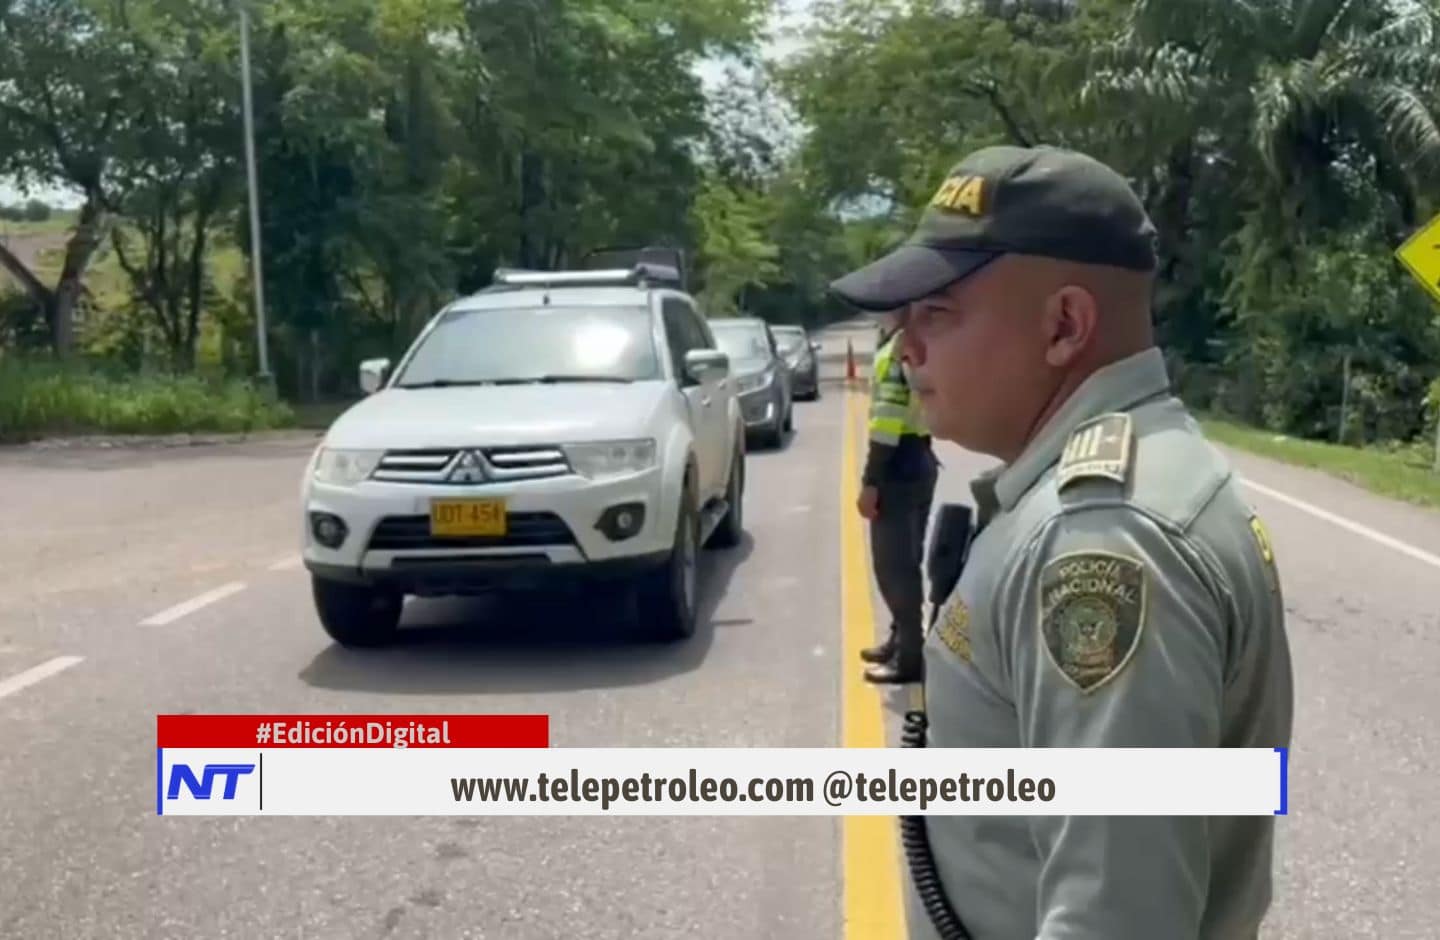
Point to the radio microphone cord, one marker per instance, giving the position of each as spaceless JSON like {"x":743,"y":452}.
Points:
{"x":949,"y":548}
{"x":916,"y":841}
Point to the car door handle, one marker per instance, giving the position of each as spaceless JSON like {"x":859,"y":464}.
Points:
{"x":705,"y":401}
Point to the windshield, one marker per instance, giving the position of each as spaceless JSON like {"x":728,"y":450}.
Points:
{"x":536,"y":344}
{"x":742,"y":341}
{"x":789,"y":341}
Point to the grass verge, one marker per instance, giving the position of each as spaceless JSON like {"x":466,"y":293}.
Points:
{"x":1403,"y":472}
{"x":41,"y":399}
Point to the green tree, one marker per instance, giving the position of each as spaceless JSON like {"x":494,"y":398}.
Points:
{"x":70,"y":75}
{"x":1284,"y":149}
{"x":581,"y":121}
{"x":1309,"y":153}
{"x":180,"y":170}
{"x":735,"y":250}
{"x":353,"y":135}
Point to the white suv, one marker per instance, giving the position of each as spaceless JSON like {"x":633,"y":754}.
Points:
{"x":570,"y":427}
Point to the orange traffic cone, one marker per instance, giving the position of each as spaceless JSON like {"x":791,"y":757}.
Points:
{"x":849,"y":362}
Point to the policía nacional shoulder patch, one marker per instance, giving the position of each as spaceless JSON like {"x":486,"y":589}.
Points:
{"x":1101,"y":447}
{"x":1092,"y":612}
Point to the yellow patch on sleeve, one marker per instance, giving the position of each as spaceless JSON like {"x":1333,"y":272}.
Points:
{"x":1267,"y":550}
{"x":954,"y":629}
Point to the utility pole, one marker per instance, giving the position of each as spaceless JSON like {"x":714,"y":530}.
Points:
{"x":257,"y":278}
{"x":1437,"y":437}
{"x":1344,"y":402}
{"x":1436,"y":387}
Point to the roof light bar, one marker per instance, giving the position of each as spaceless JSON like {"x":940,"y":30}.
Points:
{"x":639,"y":274}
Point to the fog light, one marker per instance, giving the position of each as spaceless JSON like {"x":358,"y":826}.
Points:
{"x":622,"y":522}
{"x":329,"y":530}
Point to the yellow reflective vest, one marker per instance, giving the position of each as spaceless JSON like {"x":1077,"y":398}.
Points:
{"x":894,"y":411}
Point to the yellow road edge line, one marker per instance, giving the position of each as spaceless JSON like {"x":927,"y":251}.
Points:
{"x":873,"y":907}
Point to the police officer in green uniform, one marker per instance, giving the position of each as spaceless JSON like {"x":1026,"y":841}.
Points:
{"x":897,"y":488}
{"x":1122,"y":592}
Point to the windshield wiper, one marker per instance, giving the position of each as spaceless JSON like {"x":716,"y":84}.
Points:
{"x":558,"y":379}
{"x":447,"y":383}
{"x":529,"y":380}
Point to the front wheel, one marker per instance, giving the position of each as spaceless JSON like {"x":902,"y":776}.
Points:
{"x":356,"y":615}
{"x":667,"y":596}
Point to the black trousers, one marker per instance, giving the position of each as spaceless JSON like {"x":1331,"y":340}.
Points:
{"x":897,"y":551}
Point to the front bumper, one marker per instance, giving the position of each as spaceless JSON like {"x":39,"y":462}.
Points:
{"x":484,"y":574}
{"x":553,"y":533}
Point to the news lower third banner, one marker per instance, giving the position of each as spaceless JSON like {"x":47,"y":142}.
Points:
{"x":502,"y":765}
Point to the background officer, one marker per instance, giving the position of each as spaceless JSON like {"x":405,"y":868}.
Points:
{"x":1122,"y":594}
{"x":897,"y":487}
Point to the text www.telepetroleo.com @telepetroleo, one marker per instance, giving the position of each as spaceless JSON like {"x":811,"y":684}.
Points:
{"x":837,"y":788}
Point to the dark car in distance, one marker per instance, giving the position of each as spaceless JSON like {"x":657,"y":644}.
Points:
{"x":761,"y":377}
{"x":800,"y":354}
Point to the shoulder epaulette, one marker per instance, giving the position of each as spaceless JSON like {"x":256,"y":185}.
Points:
{"x":1101,"y":447}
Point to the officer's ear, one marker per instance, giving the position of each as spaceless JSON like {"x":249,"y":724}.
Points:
{"x":1069,"y":321}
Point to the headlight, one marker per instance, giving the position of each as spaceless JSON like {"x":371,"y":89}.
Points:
{"x":611,"y":458}
{"x":750,"y":383}
{"x":345,"y":467}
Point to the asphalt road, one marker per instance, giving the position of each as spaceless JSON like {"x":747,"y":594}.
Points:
{"x":100,"y":541}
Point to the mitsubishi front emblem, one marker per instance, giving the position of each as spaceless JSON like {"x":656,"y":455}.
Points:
{"x":468,"y":469}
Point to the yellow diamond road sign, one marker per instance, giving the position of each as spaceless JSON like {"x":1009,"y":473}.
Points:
{"x":1421,"y":256}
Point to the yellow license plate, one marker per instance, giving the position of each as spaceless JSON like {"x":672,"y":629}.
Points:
{"x":462,"y":517}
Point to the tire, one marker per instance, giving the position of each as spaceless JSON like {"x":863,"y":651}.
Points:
{"x":732,"y":528}
{"x":789,"y":420}
{"x":354,"y":615}
{"x":770,"y":438}
{"x":666,"y":601}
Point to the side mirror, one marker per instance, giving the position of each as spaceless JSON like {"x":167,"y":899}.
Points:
{"x":702,"y":365}
{"x":814,"y":346}
{"x":372,"y":374}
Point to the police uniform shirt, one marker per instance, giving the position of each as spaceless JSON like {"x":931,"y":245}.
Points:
{"x":1121,"y":594}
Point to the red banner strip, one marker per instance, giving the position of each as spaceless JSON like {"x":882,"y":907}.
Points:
{"x":271,"y":731}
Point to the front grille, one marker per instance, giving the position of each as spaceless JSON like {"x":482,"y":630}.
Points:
{"x":412,"y":533}
{"x":414,"y":466}
{"x":498,"y":561}
{"x":525,"y":463}
{"x":497,"y":465}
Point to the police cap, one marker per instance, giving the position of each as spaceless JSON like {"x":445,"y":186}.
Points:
{"x":1044,"y":201}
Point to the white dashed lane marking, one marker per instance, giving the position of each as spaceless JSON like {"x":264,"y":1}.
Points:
{"x":185,"y":608}
{"x":286,"y":564}
{"x":1405,"y":548}
{"x":37,"y":674}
